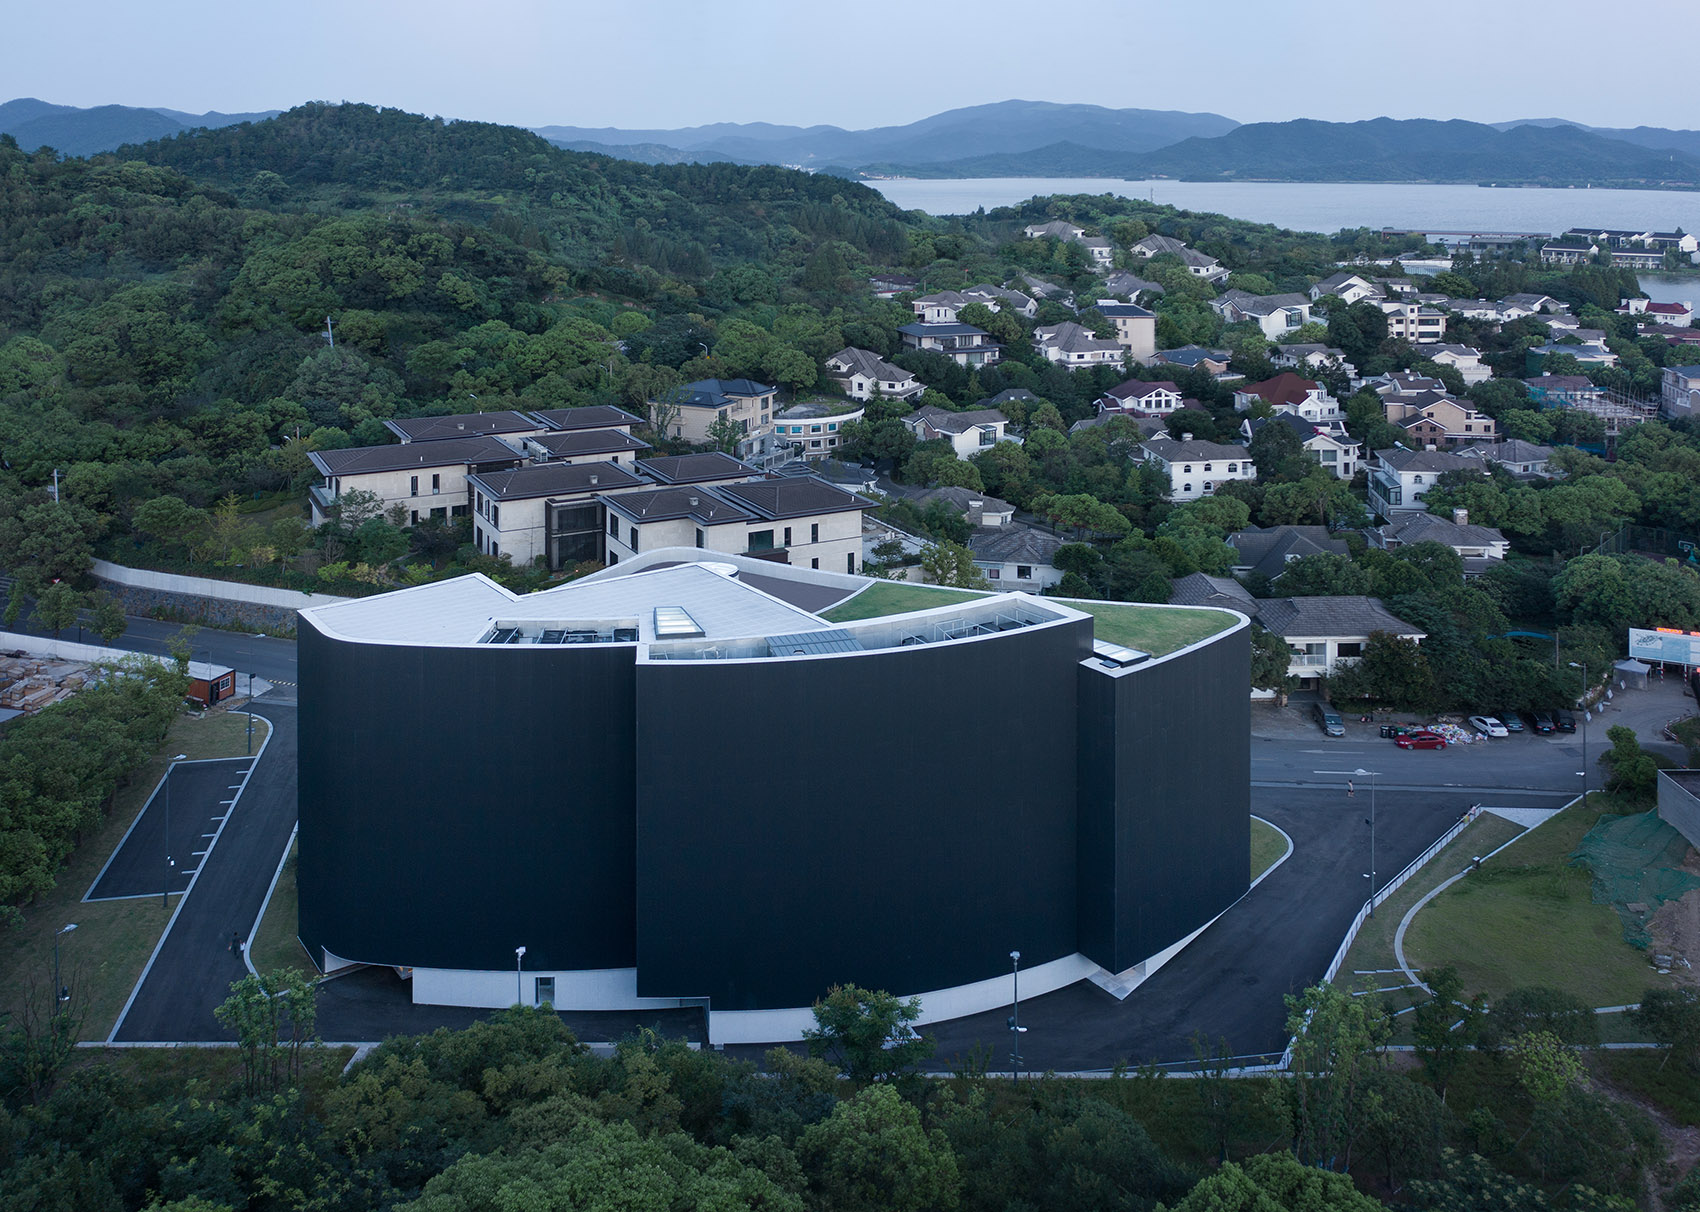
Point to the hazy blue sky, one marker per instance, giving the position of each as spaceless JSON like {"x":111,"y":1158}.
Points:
{"x":666,"y":63}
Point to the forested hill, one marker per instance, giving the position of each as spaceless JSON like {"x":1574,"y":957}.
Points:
{"x":1418,"y":150}
{"x":684,"y":219}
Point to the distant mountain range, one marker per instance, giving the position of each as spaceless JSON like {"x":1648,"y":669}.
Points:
{"x":83,"y":132}
{"x":979,"y":130}
{"x":1042,"y":139}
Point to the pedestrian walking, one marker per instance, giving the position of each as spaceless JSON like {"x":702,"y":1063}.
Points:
{"x":1350,"y":789}
{"x":235,"y":943}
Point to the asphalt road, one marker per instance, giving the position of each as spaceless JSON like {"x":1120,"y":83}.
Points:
{"x":263,"y":656}
{"x":192,"y":968}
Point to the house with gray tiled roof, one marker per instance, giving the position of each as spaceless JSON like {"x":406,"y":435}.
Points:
{"x":1679,"y":392}
{"x":1325,"y":631}
{"x":1275,"y":315}
{"x":1202,"y":589}
{"x":1154,"y":245}
{"x":424,"y":480}
{"x":969,"y":432}
{"x":1212,"y":361}
{"x":1016,"y":556}
{"x":1057,"y":229}
{"x":1524,"y":460}
{"x":1348,"y":288}
{"x":864,"y":374}
{"x":1480,"y":547}
{"x":961,"y":343}
{"x":1399,"y":478}
{"x":1267,"y":550}
{"x":1073,"y":346}
{"x":1327,"y":442}
{"x":1152,"y":397}
{"x":1312,"y":357}
{"x":1132,"y":286}
{"x":1136,"y":328}
{"x":1196,"y":468}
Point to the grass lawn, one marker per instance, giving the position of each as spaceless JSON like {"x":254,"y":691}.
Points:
{"x":275,"y":946}
{"x":1157,"y":630}
{"x":1268,"y":844}
{"x":1528,"y":918}
{"x":1371,"y":956}
{"x":103,"y":958}
{"x":891,"y":597}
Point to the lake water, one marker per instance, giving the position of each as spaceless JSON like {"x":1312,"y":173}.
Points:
{"x":1324,"y":207}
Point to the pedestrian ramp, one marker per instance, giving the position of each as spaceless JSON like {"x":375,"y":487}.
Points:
{"x":1526,"y":817}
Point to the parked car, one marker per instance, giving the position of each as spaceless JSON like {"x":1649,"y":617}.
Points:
{"x":1488,"y":725}
{"x":1421,"y":739}
{"x":1563,"y":721}
{"x":1540,"y":722}
{"x":1329,"y":719}
{"x":1510,"y":720}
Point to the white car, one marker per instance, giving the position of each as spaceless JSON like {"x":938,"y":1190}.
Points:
{"x":1488,"y":726}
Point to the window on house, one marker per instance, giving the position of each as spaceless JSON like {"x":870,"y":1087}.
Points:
{"x":814,"y":563}
{"x":412,"y":486}
{"x":1186,"y":487}
{"x":496,"y":516}
{"x":545,"y":991}
{"x":814,"y":429}
{"x":1233,"y":468}
{"x":1024,"y":572}
{"x":988,"y":436}
{"x":850,"y":561}
{"x":994,"y":574}
{"x":1349,"y":650}
{"x":458,"y":511}
{"x":787,"y":536}
{"x":614,"y":526}
{"x":761,"y":540}
{"x":633,"y":544}
{"x":415,"y":521}
{"x":814,"y":532}
{"x":436,"y":483}
{"x":699,"y":536}
{"x":495,"y":550}
{"x":1187,"y":469}
{"x":439,"y":513}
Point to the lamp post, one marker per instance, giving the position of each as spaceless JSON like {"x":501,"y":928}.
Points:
{"x":61,"y":995}
{"x":1015,"y":1027}
{"x":250,"y":713}
{"x":165,"y":892}
{"x":519,"y":964}
{"x":1581,"y":702}
{"x":1371,"y":775}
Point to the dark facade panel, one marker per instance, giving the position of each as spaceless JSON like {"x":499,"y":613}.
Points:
{"x":459,"y":802}
{"x":1165,"y":772}
{"x":899,"y":820}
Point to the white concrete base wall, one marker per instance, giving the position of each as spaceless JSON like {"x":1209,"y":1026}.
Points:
{"x":779,"y":1026}
{"x":598,"y":989}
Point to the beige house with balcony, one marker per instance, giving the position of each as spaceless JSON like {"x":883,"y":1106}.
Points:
{"x":548,"y":510}
{"x":798,"y":520}
{"x":423,"y":480}
{"x":697,"y":406}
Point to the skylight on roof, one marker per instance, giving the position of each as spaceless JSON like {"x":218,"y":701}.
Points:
{"x":676,"y":623}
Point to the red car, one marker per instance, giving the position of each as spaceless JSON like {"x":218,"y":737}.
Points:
{"x":1420,"y":740}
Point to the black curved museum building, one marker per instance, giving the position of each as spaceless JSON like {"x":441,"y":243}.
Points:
{"x":678,"y":782}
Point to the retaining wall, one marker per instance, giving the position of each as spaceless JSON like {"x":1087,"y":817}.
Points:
{"x":227,"y":604}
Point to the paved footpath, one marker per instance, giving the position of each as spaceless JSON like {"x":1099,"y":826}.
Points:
{"x":192,"y":968}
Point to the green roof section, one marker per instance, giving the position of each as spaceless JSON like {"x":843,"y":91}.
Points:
{"x":1158,"y":630}
{"x":894,"y":597}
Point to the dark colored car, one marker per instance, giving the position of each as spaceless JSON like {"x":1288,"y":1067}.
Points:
{"x":1564,"y":721}
{"x":1328,"y":719}
{"x":1421,"y":739}
{"x":1540,"y":722}
{"x":1510,"y":720}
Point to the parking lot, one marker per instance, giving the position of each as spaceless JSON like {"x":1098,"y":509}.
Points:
{"x":194,"y":798}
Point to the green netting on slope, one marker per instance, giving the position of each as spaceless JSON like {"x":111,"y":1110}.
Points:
{"x":1635,"y":860}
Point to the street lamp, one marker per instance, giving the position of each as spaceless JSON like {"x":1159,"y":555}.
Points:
{"x":1581,"y":702}
{"x":250,"y":713}
{"x":1371,"y":775}
{"x":169,"y":864}
{"x":1015,"y":1027}
{"x":519,"y":963}
{"x":61,"y":995}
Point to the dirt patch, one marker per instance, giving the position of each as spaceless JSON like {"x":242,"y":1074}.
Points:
{"x":1682,"y":1143}
{"x":1675,"y":930}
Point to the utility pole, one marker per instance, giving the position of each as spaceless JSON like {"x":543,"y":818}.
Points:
{"x":1015,"y":1027}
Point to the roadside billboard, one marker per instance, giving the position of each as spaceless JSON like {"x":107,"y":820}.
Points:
{"x":1670,"y":645}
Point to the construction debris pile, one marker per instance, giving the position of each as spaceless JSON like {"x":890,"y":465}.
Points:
{"x":29,"y":683}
